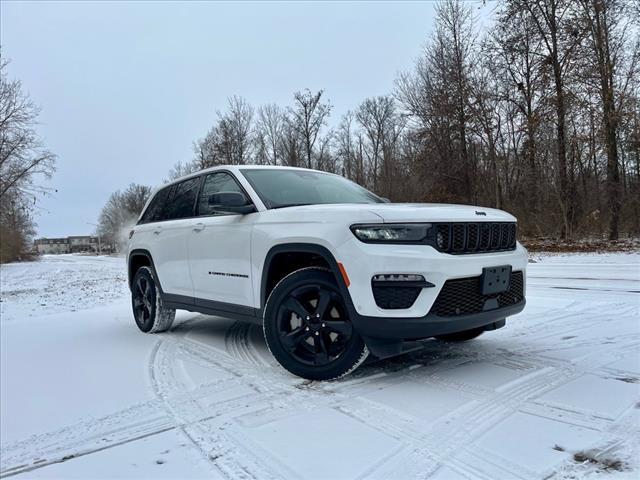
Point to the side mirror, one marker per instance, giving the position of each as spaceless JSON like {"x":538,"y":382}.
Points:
{"x":230,"y":202}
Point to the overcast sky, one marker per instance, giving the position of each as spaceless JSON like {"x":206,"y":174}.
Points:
{"x":125,"y":88}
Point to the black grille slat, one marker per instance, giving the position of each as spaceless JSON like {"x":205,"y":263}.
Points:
{"x":462,"y":296}
{"x":504,"y":235}
{"x":458,"y":237}
{"x":461,"y":238}
{"x":472,"y":237}
{"x":442,"y":237}
{"x":495,"y":236}
{"x":512,"y":234}
{"x":485,"y":241}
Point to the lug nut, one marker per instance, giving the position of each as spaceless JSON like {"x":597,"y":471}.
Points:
{"x":307,"y":329}
{"x":317,"y":315}
{"x":317,"y":333}
{"x":308,"y":318}
{"x":324,"y":325}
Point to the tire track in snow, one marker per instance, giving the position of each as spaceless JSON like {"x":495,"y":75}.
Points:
{"x":95,"y":435}
{"x":230,"y":457}
{"x":444,"y":438}
{"x":487,"y":411}
{"x":207,"y":414}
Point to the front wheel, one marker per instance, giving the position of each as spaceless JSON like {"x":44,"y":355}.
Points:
{"x":307,"y":327}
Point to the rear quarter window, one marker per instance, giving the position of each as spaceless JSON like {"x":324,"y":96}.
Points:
{"x":173,"y":202}
{"x":154,"y":210}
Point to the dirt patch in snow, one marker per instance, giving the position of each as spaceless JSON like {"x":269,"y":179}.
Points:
{"x":588,"y":245}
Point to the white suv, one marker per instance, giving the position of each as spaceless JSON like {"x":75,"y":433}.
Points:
{"x":329,"y":269}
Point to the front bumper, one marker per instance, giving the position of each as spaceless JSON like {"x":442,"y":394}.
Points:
{"x":430,"y":325}
{"x":362,"y":261}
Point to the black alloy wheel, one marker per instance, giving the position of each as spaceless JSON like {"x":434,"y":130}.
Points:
{"x":143,"y":300}
{"x":313,"y":325}
{"x":148,"y":310}
{"x":308,"y":329}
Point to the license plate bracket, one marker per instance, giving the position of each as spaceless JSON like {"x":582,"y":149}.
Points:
{"x":495,"y":279}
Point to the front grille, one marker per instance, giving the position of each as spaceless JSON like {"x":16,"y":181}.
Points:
{"x":394,"y":298}
{"x":462,"y":296}
{"x":461,"y":238}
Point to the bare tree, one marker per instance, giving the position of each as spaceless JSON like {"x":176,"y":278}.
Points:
{"x":437,"y":95}
{"x":512,"y":59}
{"x":23,"y":158}
{"x":608,"y":25}
{"x":307,"y":117}
{"x":22,"y":154}
{"x":561,"y":35}
{"x":346,"y":150}
{"x":120,"y":213}
{"x":382,"y":127}
{"x":229,"y":140}
{"x":291,"y":144}
{"x":180,"y":169}
{"x":268,"y":130}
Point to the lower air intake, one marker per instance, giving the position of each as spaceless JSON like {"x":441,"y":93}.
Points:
{"x":462,"y":296}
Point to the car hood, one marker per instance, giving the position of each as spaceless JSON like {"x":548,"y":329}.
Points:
{"x":412,"y":212}
{"x":438,"y":212}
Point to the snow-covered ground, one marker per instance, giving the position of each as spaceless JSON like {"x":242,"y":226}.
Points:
{"x":60,"y":283}
{"x":84,"y":394}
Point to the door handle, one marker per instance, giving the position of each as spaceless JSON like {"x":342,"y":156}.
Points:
{"x":198,"y":227}
{"x":157,"y":230}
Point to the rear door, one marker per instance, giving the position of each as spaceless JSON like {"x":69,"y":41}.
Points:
{"x":172,"y":221}
{"x":219,"y":248}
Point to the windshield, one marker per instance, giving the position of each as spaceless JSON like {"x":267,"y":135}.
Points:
{"x":280,"y":188}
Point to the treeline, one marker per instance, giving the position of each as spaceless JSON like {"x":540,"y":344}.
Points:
{"x":539,"y":115}
{"x":23,"y":158}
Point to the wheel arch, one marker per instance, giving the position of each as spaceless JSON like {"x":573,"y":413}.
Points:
{"x":141,"y":258}
{"x":302,"y":248}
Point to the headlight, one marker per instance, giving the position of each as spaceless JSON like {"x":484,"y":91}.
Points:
{"x":391,"y":233}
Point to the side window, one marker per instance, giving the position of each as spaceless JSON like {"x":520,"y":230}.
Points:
{"x":154,"y":210}
{"x":181,"y":199}
{"x":215,"y":183}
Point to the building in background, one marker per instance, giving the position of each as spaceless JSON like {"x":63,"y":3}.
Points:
{"x":80,"y":244}
{"x":52,"y":245}
{"x":73,"y":244}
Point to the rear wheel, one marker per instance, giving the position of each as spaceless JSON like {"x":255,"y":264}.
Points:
{"x":461,"y":336}
{"x":150,"y":314}
{"x":308,"y":329}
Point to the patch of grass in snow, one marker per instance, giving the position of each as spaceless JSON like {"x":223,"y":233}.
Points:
{"x":600,"y":461}
{"x":628,"y":379}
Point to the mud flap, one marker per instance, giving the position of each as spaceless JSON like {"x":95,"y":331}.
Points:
{"x":383,"y":348}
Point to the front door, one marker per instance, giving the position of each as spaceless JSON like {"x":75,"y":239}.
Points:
{"x":220,"y":248}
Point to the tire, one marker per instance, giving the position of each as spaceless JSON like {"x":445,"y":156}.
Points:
{"x":461,"y":336}
{"x":307,"y":327}
{"x":150,"y":315}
